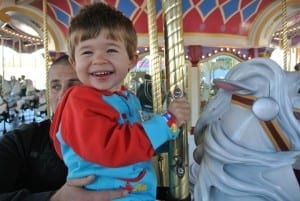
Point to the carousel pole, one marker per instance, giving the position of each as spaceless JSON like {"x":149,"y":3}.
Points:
{"x":284,"y":33}
{"x":3,"y":68}
{"x":46,"y":53}
{"x":175,"y":63}
{"x":160,"y":160}
{"x":155,"y":62}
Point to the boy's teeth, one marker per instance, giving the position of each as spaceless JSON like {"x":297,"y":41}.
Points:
{"x":101,"y":73}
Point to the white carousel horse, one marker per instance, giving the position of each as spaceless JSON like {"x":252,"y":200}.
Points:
{"x":248,"y":137}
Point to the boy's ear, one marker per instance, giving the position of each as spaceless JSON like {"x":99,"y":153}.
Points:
{"x":72,"y":62}
{"x":134,"y":61}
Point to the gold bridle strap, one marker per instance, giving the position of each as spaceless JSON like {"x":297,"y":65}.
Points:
{"x":275,"y":134}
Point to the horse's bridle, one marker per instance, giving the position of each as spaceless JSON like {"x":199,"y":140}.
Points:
{"x":271,"y":127}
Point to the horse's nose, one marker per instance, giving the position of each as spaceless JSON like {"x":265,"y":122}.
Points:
{"x":296,"y":107}
{"x":296,"y":112}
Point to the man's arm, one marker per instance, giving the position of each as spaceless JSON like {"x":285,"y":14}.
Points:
{"x":25,"y":195}
{"x":14,"y":149}
{"x":73,"y":190}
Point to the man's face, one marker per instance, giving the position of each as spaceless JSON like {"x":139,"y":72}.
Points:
{"x":61,"y":77}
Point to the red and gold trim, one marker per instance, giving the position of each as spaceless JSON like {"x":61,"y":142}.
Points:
{"x":171,"y":121}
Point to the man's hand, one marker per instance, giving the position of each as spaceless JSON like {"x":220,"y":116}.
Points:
{"x":73,"y":190}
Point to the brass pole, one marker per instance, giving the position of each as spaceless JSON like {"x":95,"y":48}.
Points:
{"x":175,"y":62}
{"x":284,"y":34}
{"x":155,"y":68}
{"x":160,"y":159}
{"x":20,"y":52}
{"x":3,"y":69}
{"x":46,"y":53}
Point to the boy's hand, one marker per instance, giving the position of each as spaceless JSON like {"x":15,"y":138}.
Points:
{"x":180,"y":108}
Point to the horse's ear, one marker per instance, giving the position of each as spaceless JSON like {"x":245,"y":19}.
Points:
{"x":233,"y":86}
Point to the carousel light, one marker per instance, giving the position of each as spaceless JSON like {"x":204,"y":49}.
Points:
{"x":21,"y":36}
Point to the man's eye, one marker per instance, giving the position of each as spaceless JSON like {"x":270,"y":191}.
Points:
{"x":56,"y":87}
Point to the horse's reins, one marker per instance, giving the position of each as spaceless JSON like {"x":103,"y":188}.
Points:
{"x":275,"y":134}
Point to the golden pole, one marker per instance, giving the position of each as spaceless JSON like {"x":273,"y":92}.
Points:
{"x":3,"y":70}
{"x":175,"y":62}
{"x":46,"y":53}
{"x":155,"y":68}
{"x":284,"y":34}
{"x":20,"y":52}
{"x":160,"y":160}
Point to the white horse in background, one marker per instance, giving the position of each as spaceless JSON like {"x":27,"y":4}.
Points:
{"x":248,"y":136}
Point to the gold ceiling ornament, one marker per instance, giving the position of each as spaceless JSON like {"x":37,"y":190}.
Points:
{"x":4,"y":17}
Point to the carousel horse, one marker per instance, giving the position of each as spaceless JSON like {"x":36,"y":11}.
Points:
{"x":248,"y":136}
{"x":17,"y":106}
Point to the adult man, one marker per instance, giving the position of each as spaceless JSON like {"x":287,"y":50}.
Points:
{"x":29,"y":166}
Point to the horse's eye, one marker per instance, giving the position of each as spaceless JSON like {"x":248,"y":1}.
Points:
{"x":298,"y":91}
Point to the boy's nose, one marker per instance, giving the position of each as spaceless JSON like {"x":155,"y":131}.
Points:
{"x":100,"y":59}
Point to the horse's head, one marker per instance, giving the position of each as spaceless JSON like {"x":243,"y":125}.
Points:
{"x":256,"y":97}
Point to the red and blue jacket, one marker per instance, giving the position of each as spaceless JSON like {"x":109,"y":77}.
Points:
{"x":101,"y":133}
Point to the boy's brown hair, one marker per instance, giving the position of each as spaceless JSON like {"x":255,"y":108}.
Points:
{"x":92,"y":19}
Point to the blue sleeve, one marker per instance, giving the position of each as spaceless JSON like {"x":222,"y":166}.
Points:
{"x":158,"y":131}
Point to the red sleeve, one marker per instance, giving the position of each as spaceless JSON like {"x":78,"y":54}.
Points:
{"x":90,"y":126}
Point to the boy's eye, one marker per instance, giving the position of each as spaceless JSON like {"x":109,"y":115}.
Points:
{"x":87,"y":52}
{"x":111,"y":50}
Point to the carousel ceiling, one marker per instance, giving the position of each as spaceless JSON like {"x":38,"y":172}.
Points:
{"x":227,"y":23}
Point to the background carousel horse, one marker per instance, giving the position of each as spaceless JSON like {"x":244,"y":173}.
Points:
{"x":248,"y":137}
{"x":20,"y":103}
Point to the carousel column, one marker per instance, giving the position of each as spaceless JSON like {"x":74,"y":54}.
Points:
{"x":194,"y":52}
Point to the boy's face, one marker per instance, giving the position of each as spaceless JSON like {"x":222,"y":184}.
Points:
{"x":102,"y":63}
